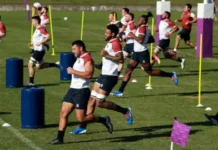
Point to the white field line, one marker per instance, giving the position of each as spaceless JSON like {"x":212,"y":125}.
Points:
{"x":21,"y":137}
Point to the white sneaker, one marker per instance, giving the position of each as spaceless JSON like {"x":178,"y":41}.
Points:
{"x":183,"y":63}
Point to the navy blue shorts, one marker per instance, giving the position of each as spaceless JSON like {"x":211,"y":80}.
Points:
{"x":129,"y":48}
{"x":141,"y":57}
{"x":78,"y":97}
{"x":185,"y":34}
{"x":164,"y":44}
{"x":107,"y":83}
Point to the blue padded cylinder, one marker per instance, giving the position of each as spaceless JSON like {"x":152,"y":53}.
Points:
{"x":66,"y":60}
{"x":32,"y":108}
{"x":14,"y":72}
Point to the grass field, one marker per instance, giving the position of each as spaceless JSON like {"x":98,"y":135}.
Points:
{"x":153,"y":110}
{"x":100,"y":2}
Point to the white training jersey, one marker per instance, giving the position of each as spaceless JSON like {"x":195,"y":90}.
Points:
{"x":43,"y":18}
{"x":140,"y":47}
{"x":164,"y":27}
{"x":130,"y":27}
{"x":110,"y":67}
{"x":38,"y":36}
{"x":123,"y":20}
{"x":79,"y":65}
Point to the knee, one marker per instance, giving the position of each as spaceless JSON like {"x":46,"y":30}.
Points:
{"x":166,"y":54}
{"x":129,"y":70}
{"x":187,"y":42}
{"x":100,"y":103}
{"x":30,"y":65}
{"x":148,"y":69}
{"x":80,"y":118}
{"x":37,"y":67}
{"x":63,"y":113}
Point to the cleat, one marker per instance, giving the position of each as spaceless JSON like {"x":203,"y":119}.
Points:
{"x":175,"y":79}
{"x":29,"y":84}
{"x":59,"y":65}
{"x":117,"y":93}
{"x":109,"y":125}
{"x":78,"y":130}
{"x":183,"y":63}
{"x":129,"y":116}
{"x":56,"y":142}
{"x":212,"y":119}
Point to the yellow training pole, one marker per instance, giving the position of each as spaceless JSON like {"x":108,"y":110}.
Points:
{"x":51,"y":30}
{"x":82,"y":25}
{"x":200,"y":75}
{"x":151,"y":53}
{"x":31,"y":32}
{"x":115,"y":17}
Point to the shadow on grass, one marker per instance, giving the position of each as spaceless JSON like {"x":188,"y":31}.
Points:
{"x":179,"y":94}
{"x":148,"y":132}
{"x":188,"y":74}
{"x":56,"y":125}
{"x":5,"y":113}
{"x":205,"y":70}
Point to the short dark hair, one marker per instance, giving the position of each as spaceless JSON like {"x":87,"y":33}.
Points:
{"x":189,"y":6}
{"x":79,"y":43}
{"x":37,"y":18}
{"x":132,"y":15}
{"x":126,"y":9}
{"x":168,"y":13}
{"x":113,"y":28}
{"x":114,"y":14}
{"x":46,"y":8}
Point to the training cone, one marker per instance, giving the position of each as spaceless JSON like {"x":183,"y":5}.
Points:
{"x":200,"y":106}
{"x":133,"y":80}
{"x":208,"y":109}
{"x":149,"y":87}
{"x":6,"y":125}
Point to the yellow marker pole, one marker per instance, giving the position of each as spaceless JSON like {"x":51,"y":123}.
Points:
{"x":82,"y":25}
{"x":200,"y":74}
{"x":51,"y":30}
{"x":151,"y":53}
{"x":31,"y":32}
{"x":115,"y":17}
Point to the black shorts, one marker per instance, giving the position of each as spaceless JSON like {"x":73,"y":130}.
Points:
{"x":185,"y":34}
{"x":164,"y":44}
{"x":78,"y":97}
{"x":37,"y":57}
{"x":141,"y":57}
{"x":106,"y":82}
{"x":129,"y":48}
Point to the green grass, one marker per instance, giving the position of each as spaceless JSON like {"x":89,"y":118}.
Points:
{"x":153,"y":110}
{"x":100,"y":2}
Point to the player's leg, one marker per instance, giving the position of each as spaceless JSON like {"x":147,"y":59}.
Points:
{"x":190,"y":44}
{"x":145,"y":62}
{"x":170,"y":54}
{"x":178,"y":39}
{"x":130,"y":67}
{"x":107,"y":85}
{"x":155,"y":57}
{"x":66,"y":109}
{"x":90,"y":108}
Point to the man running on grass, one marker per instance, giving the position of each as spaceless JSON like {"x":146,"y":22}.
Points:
{"x":112,"y":56}
{"x":78,"y":95}
{"x":166,"y":29}
{"x":187,"y":19}
{"x":39,"y":38}
{"x":141,"y":55}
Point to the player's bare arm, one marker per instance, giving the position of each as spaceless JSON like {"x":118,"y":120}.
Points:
{"x":89,"y":70}
{"x":194,"y":20}
{"x":117,"y":58}
{"x":139,"y":38}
